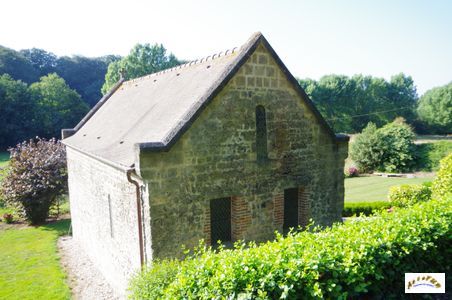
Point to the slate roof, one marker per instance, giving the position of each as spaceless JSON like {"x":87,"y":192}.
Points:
{"x":151,"y":112}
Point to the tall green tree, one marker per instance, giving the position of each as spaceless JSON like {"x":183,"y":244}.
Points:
{"x":435,"y":109}
{"x":143,"y":59}
{"x":349,"y":103}
{"x":59,"y":106}
{"x":17,"y":111}
{"x":17,"y":66}
{"x":85,"y":75}
{"x":44,"y":62}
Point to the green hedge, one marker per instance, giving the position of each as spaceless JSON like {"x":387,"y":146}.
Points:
{"x":442,"y":185}
{"x":428,"y":155}
{"x":347,"y":260}
{"x":364,"y":208}
{"x":408,"y":194}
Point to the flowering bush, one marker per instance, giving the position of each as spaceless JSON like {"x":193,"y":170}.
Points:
{"x":8,"y":218}
{"x":36,"y":176}
{"x":351,"y":172}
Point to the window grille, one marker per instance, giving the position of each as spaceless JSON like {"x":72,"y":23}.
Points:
{"x":290,"y":209}
{"x":220,"y":220}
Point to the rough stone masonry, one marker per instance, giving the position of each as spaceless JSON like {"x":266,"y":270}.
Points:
{"x":234,"y":126}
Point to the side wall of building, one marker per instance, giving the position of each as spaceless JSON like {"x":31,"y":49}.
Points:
{"x":217,"y":158}
{"x":104,"y":217}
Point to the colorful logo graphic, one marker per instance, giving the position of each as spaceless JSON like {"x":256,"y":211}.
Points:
{"x":425,"y":283}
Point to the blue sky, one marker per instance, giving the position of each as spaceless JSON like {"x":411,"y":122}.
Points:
{"x":314,"y":38}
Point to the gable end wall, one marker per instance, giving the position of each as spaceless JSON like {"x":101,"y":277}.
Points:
{"x":216,"y":158}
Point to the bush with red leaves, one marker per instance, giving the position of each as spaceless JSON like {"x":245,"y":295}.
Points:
{"x":37,"y":175}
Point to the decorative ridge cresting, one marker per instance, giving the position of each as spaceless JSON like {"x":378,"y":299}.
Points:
{"x":187,"y":64}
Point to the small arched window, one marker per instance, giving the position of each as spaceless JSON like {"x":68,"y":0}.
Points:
{"x":261,"y":134}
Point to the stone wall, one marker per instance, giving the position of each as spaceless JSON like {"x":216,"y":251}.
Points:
{"x":216,"y":158}
{"x":104,"y":217}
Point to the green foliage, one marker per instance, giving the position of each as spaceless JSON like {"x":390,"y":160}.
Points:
{"x":85,"y":75}
{"x":29,"y":263}
{"x":442,"y":185}
{"x":435,"y":108}
{"x":408,"y":194}
{"x":389,"y":148}
{"x":364,"y":208}
{"x":36,"y":177}
{"x":17,"y":66}
{"x":17,"y":111}
{"x":428,"y":155}
{"x":398,"y":147}
{"x":349,"y":103}
{"x":345,"y":261}
{"x":143,"y":59}
{"x":42,"y":61}
{"x":367,"y":149}
{"x":59,"y":106}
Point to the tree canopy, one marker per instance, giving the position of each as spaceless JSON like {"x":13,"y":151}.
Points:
{"x":435,"y":108}
{"x":17,"y":66}
{"x":143,"y":59}
{"x":349,"y":103}
{"x":17,"y":111}
{"x":59,"y":106}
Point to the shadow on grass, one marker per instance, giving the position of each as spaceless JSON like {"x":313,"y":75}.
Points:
{"x":61,"y":227}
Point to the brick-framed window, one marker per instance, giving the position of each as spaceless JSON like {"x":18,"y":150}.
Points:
{"x":220,"y":221}
{"x":290,"y":209}
{"x":295,"y":207}
{"x":261,"y":134}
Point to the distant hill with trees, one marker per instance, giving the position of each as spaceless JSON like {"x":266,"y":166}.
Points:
{"x":41,"y":93}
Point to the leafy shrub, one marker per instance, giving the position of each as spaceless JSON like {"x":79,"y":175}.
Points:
{"x":398,"y":146}
{"x":9,"y":218}
{"x":36,"y":176}
{"x":389,"y":148}
{"x":428,"y":155}
{"x":364,"y":208}
{"x":435,"y":108}
{"x":408,"y":194}
{"x":366,"y":149}
{"x":345,"y":261}
{"x":351,"y":172}
{"x":442,"y":185}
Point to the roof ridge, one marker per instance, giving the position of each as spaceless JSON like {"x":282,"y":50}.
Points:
{"x":204,"y":59}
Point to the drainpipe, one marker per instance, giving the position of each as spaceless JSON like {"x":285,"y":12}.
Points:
{"x":140,"y":222}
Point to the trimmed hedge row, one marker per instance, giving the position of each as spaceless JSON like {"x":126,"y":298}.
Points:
{"x":346,"y":260}
{"x":408,"y":194}
{"x":363,"y":208}
{"x":428,"y":155}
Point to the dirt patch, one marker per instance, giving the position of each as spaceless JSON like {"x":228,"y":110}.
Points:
{"x":85,"y":281}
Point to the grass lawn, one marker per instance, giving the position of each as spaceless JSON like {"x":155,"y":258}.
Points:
{"x":374,"y":188}
{"x":29,"y":263}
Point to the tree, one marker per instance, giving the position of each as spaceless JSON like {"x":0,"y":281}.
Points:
{"x":389,"y":148}
{"x":17,"y":111}
{"x":59,"y":106}
{"x":349,"y":103}
{"x":85,"y":75}
{"x":36,"y":176}
{"x":143,"y":59}
{"x":17,"y":66}
{"x":366,"y":149}
{"x":43,"y":61}
{"x":435,"y":109}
